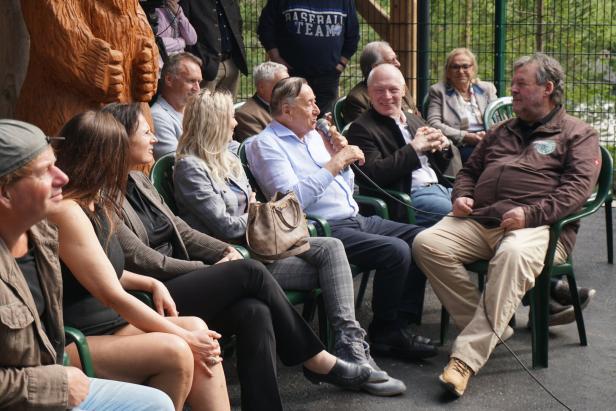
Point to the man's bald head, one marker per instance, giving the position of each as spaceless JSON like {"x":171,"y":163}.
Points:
{"x":388,"y":71}
{"x":386,"y":87}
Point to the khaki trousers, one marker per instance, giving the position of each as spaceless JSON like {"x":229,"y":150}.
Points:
{"x":227,"y":78}
{"x":516,"y":258}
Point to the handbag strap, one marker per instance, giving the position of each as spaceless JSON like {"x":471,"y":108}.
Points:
{"x":297,"y":215}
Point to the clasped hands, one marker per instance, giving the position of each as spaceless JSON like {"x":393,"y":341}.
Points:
{"x":203,"y":342}
{"x":513,"y":219}
{"x":429,"y":140}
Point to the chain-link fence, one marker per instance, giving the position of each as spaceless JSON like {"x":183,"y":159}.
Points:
{"x":581,"y":34}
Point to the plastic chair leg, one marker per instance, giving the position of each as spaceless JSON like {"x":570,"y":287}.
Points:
{"x":579,"y":318}
{"x":325,"y":332}
{"x":609,"y":231}
{"x":539,"y":316}
{"x":365,"y":276}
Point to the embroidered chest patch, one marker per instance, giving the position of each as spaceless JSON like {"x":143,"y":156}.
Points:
{"x":544,"y":147}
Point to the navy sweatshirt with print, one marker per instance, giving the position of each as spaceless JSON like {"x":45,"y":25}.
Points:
{"x":311,"y":35}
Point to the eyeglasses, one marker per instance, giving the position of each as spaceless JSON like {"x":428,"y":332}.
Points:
{"x":460,"y":66}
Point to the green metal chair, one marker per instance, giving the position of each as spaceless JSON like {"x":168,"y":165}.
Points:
{"x":162,"y":178}
{"x":540,"y":294}
{"x":338,"y":116}
{"x":499,"y":110}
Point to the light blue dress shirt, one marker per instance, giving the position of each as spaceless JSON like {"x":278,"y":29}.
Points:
{"x":280,"y":161}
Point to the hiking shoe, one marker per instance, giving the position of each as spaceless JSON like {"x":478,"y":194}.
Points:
{"x":455,"y":376}
{"x":562,"y":294}
{"x":559,"y":314}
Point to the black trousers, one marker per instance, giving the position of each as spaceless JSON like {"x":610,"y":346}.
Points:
{"x":241,"y":297}
{"x":385,"y":245}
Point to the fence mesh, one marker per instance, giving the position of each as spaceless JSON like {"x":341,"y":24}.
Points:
{"x":581,"y":34}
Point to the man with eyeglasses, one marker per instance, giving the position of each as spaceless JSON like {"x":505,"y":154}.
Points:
{"x":358,"y":101}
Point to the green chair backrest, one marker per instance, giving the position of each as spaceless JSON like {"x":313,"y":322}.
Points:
{"x":425,"y":104}
{"x":605,"y":181}
{"x":338,"y":117}
{"x":162,"y":178}
{"x":499,"y":110}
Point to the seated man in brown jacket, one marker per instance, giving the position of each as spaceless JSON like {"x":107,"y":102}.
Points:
{"x":527,"y":173}
{"x":255,"y":115}
{"x":31,"y":335}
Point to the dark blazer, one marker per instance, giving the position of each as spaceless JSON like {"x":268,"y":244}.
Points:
{"x":195,"y":250}
{"x":389,"y":159}
{"x":251,"y":118}
{"x":202,"y":15}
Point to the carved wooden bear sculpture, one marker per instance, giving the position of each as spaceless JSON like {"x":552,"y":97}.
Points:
{"x":84,"y":54}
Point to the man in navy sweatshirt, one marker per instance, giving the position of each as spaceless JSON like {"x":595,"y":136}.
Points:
{"x":315,"y":39}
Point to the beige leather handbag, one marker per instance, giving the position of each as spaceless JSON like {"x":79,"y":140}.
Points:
{"x":277,"y":229}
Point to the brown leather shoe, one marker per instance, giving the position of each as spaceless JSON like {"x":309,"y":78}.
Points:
{"x":455,"y":376}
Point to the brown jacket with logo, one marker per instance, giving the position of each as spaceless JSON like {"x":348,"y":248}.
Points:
{"x":31,"y":374}
{"x":550,"y":175}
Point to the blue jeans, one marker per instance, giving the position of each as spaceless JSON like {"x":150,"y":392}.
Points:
{"x":108,"y":395}
{"x":433,"y":199}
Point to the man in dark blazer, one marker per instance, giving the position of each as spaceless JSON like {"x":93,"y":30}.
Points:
{"x":358,"y":101}
{"x":254,"y":115}
{"x":401,"y":151}
{"x":219,"y":41}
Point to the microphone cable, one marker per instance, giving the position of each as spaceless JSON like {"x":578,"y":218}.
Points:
{"x":405,"y":204}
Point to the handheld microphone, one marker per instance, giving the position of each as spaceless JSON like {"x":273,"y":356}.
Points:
{"x":323,"y":128}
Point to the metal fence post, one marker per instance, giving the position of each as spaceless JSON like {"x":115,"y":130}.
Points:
{"x":423,"y":51}
{"x":500,"y":31}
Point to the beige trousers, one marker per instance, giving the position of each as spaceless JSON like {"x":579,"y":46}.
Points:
{"x":227,"y":78}
{"x":516,"y":258}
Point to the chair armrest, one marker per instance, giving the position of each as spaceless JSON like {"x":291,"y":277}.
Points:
{"x":73,"y":335}
{"x":322,"y":226}
{"x":379,"y":206}
{"x":406,"y":199}
{"x":242,"y":250}
{"x":144,"y":297}
{"x":312,"y":229}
